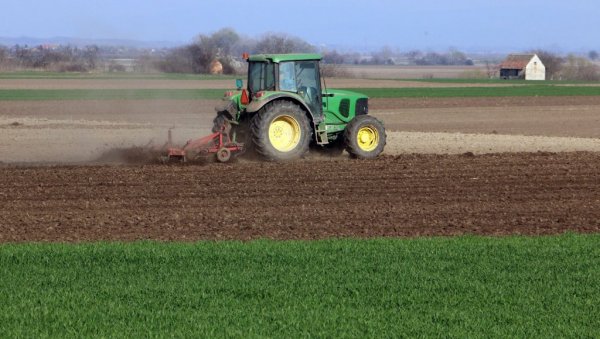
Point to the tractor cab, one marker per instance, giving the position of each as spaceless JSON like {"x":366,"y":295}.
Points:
{"x":294,"y":74}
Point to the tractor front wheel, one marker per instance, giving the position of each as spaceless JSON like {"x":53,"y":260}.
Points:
{"x":365,"y":137}
{"x":281,"y":131}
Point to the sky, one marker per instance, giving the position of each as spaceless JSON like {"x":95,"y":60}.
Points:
{"x":419,"y":24}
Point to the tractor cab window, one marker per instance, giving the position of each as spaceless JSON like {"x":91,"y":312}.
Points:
{"x":302,"y":77}
{"x":261,"y":77}
{"x":309,"y":85}
{"x":287,"y":77}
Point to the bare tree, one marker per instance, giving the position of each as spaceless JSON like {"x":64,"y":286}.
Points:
{"x":197,"y":57}
{"x":281,"y":43}
{"x":333,"y":57}
{"x":578,"y":68}
{"x":147,"y":63}
{"x":4,"y":57}
{"x":383,"y":57}
{"x":3,"y":53}
{"x":414,"y":55}
{"x":223,"y":41}
{"x":334,"y":71}
{"x":90,"y":56}
{"x":192,"y":58}
{"x":593,"y":55}
{"x":179,"y":60}
{"x":452,"y":57}
{"x":492,"y":69}
{"x":457,"y":57}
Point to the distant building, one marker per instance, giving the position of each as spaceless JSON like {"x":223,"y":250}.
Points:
{"x":523,"y":66}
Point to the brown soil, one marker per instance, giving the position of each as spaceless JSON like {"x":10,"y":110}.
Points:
{"x":138,"y":111}
{"x":408,"y":195}
{"x":541,"y":116}
{"x":553,"y":116}
{"x":75,"y":131}
{"x":508,"y":102}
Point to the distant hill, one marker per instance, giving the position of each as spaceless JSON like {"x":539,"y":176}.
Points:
{"x":29,"y":41}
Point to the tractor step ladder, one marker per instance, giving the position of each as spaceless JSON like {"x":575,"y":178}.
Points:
{"x":322,"y":134}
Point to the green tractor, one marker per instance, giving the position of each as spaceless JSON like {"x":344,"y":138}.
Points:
{"x":284,"y":110}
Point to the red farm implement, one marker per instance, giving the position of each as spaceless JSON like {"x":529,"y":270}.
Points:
{"x":218,"y":144}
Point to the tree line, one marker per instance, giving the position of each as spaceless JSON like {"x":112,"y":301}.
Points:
{"x":52,"y":58}
{"x":226,"y":46}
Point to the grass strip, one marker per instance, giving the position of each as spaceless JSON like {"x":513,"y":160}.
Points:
{"x":464,"y":92}
{"x":458,"y":287}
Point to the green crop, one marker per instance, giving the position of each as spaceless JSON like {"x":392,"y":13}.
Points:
{"x":504,"y":91}
{"x":458,"y":287}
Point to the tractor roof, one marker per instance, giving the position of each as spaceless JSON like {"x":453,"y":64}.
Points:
{"x":283,"y":57}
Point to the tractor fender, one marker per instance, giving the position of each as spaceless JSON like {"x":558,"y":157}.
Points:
{"x":256,"y":105}
{"x":227,"y":106}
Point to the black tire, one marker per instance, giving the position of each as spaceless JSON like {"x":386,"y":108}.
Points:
{"x":371,"y":125}
{"x":261,"y":123}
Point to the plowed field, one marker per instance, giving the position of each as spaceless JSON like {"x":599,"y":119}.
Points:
{"x":407,"y":195}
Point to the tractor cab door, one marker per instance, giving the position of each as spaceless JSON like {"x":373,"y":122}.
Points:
{"x":302,"y":77}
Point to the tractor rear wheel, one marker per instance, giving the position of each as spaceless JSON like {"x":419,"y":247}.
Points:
{"x":365,"y":137}
{"x":281,"y":131}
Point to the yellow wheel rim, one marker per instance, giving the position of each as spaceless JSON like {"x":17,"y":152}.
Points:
{"x":284,"y":133}
{"x":367,"y":138}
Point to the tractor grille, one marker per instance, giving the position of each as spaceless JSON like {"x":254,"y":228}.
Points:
{"x":345,"y":107}
{"x":362,"y":106}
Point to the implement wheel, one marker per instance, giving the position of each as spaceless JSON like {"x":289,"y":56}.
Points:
{"x":365,"y":137}
{"x":223,"y":155}
{"x":281,"y":131}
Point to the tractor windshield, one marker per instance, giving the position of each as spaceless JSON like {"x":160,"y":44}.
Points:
{"x":261,"y":77}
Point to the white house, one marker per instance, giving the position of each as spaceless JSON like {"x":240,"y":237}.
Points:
{"x":523,"y":66}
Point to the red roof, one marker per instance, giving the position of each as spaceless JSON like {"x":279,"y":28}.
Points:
{"x":516,"y":61}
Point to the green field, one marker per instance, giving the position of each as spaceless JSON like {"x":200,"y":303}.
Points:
{"x":504,"y":91}
{"x":458,"y":287}
{"x":443,"y":92}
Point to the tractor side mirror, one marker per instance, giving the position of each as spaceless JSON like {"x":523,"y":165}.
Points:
{"x":239,"y":83}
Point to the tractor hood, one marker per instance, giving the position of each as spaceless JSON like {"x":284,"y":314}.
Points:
{"x":332,"y":92}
